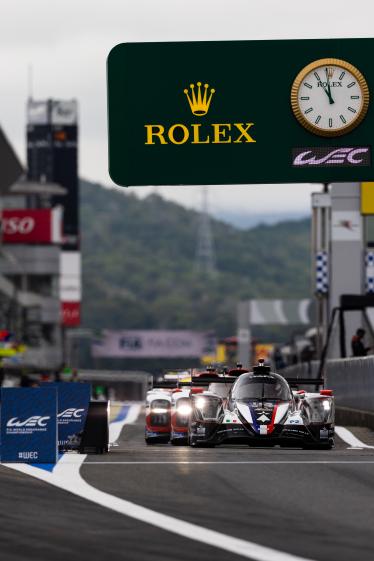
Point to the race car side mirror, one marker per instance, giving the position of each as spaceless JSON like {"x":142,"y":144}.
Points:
{"x":326,"y":392}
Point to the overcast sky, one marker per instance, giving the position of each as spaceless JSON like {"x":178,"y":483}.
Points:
{"x":67,"y":44}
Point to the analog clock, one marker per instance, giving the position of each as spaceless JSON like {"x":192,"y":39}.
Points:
{"x":330,"y":97}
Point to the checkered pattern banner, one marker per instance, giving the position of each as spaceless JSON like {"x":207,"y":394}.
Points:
{"x":369,"y":262}
{"x":322,"y":272}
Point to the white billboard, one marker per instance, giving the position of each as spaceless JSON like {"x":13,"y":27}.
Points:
{"x":64,"y":112}
{"x":37,"y":112}
{"x":153,"y":344}
{"x":55,"y":112}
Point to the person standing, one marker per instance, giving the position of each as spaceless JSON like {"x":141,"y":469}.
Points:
{"x":357,"y":343}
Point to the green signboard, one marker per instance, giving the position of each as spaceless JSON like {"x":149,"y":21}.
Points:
{"x":240,"y":112}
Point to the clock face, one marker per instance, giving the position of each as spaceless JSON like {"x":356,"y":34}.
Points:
{"x":330,"y":97}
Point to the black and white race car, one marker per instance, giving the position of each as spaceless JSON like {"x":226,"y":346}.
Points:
{"x":261,"y":409}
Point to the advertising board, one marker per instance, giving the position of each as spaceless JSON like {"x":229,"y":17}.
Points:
{"x":29,"y":425}
{"x":153,"y":344}
{"x":240,"y":112}
{"x":40,"y":226}
{"x":70,"y":288}
{"x":72,"y":402}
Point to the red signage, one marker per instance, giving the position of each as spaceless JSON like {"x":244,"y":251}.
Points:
{"x":71,"y":314}
{"x":41,"y":226}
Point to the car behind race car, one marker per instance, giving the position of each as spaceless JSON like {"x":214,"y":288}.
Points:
{"x":261,"y":410}
{"x":158,"y":416}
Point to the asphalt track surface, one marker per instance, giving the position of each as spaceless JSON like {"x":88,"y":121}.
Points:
{"x":315,"y":505}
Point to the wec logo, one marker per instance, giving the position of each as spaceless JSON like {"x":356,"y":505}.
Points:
{"x":31,"y":422}
{"x":71,"y":414}
{"x":327,"y":157}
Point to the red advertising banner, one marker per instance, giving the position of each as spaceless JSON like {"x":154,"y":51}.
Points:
{"x":41,"y":226}
{"x":71,"y":314}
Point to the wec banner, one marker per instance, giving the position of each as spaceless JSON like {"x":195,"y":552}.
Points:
{"x":29,"y":425}
{"x":73,"y":403}
{"x":238,"y":112}
{"x":153,"y":344}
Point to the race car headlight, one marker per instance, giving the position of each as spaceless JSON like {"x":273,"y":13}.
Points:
{"x":184,"y":409}
{"x":159,"y":410}
{"x":326,"y":405}
{"x":200,"y":403}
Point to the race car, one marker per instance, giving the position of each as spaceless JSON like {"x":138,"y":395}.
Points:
{"x":168,"y":409}
{"x":260,"y":409}
{"x":158,"y":416}
{"x":180,"y":414}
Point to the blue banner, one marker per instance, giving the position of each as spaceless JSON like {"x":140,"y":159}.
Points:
{"x":29,"y":425}
{"x":73,"y":401}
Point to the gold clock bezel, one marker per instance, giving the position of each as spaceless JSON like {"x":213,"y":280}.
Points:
{"x":295,"y":94}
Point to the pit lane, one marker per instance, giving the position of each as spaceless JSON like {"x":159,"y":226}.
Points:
{"x":274,"y":497}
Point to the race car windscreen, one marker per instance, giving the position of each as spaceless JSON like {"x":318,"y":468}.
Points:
{"x":260,"y":387}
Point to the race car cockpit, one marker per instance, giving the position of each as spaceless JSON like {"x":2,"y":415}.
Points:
{"x":268,"y":386}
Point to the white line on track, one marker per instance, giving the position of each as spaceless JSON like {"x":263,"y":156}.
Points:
{"x":116,"y":428}
{"x":259,"y":462}
{"x":66,"y":476}
{"x":351,"y":439}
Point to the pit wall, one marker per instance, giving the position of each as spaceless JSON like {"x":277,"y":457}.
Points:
{"x":352,"y":380}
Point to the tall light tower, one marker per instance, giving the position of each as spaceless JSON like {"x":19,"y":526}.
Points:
{"x":205,"y":260}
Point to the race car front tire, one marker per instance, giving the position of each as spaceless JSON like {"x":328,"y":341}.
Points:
{"x":320,"y":445}
{"x":157,"y":440}
{"x":200,"y":444}
{"x":179,"y":442}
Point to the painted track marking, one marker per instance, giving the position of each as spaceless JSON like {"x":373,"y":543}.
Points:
{"x":66,"y":476}
{"x":351,"y":439}
{"x":115,"y":428}
{"x":286,"y":462}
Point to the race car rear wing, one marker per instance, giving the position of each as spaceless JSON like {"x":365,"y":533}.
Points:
{"x":296,"y":382}
{"x":207,"y":380}
{"x":166,"y":384}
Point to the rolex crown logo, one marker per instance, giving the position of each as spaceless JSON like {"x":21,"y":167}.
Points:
{"x":330,"y":72}
{"x":199,"y":100}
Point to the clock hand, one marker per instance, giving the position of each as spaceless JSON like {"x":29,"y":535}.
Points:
{"x":328,"y":87}
{"x":326,"y":91}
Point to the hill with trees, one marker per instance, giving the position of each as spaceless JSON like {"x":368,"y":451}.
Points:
{"x":139,"y":264}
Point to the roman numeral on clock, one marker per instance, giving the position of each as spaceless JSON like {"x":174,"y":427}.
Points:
{"x":330,"y":122}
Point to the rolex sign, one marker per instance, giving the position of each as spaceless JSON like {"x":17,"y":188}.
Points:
{"x":239,"y":112}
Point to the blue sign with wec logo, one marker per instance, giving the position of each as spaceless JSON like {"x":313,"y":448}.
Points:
{"x":29,"y":425}
{"x":73,"y":402}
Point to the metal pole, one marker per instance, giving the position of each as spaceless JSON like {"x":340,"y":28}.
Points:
{"x":244,"y":334}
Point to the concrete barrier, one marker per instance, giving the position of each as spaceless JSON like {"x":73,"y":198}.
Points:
{"x":352,"y":380}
